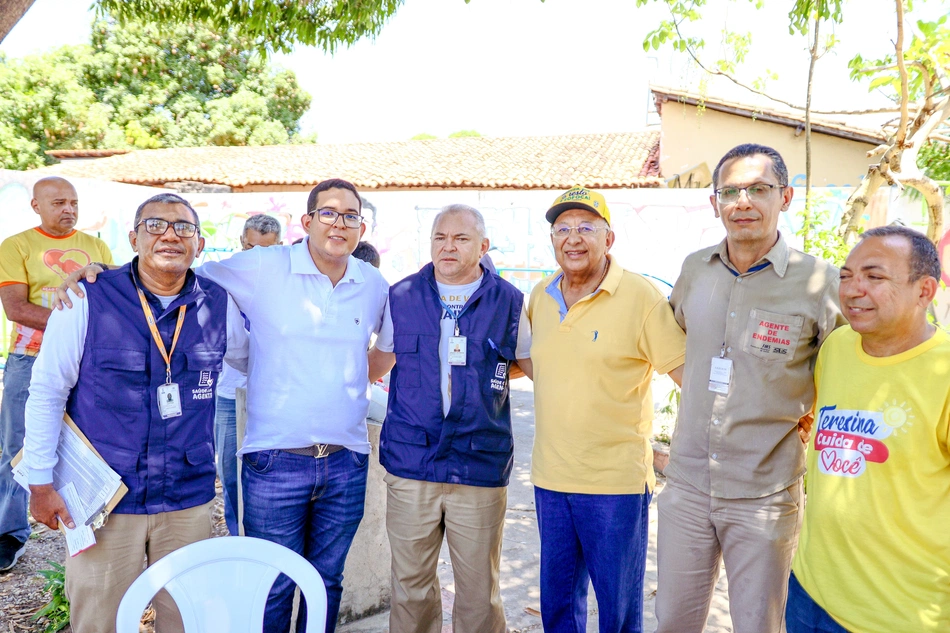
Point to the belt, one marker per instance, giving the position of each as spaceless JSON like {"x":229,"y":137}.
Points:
{"x":316,"y":451}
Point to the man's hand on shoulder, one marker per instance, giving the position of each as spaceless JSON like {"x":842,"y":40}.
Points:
{"x":48,"y":507}
{"x":87,"y":273}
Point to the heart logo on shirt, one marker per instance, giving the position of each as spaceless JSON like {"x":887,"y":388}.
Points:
{"x":65,"y":262}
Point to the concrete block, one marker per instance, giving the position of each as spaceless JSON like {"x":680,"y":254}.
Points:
{"x":366,"y":576}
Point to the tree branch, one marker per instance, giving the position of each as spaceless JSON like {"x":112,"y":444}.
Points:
{"x":10,"y":13}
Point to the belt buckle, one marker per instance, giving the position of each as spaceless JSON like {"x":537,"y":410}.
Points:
{"x":322,"y":450}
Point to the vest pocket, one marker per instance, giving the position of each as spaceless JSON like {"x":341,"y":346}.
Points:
{"x":407,"y":435}
{"x":121,"y":382}
{"x":125,"y":463}
{"x":203,"y":367}
{"x":195,"y":474}
{"x":408,"y":364}
{"x":492,"y":443}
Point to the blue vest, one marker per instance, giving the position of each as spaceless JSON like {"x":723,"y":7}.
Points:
{"x":473,"y":444}
{"x":168,"y":464}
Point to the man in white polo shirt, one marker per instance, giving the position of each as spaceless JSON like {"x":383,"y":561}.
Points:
{"x":306,"y":454}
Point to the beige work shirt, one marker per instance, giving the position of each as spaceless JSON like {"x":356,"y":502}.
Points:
{"x":769,"y":322}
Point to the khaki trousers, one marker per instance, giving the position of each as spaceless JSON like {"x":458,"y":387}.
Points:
{"x":97,"y":579}
{"x":756,"y":539}
{"x":472,"y":519}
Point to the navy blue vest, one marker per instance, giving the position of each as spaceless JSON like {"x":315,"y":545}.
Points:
{"x":167,"y":465}
{"x":473,"y":444}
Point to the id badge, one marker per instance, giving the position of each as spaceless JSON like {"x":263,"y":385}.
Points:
{"x":458,"y":346}
{"x":169,"y":401}
{"x":720,"y":374}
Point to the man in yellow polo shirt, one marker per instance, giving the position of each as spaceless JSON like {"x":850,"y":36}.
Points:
{"x":874,"y":555}
{"x":32,"y":265}
{"x":599,"y":332}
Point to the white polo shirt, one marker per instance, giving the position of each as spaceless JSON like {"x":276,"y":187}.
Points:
{"x":308,"y":370}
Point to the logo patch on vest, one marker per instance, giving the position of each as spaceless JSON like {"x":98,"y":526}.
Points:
{"x":205,"y":379}
{"x":498,"y":381}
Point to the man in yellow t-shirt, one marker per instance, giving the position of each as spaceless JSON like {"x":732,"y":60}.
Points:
{"x":599,"y":332}
{"x":32,"y":265}
{"x":874,"y":554}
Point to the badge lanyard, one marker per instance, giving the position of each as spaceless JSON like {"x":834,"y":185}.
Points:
{"x":720,"y":370}
{"x":169,"y":399}
{"x":458,"y":345}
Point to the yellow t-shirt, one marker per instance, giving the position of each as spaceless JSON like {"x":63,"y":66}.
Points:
{"x":42,"y":262}
{"x":592,"y":375}
{"x":875,"y":545}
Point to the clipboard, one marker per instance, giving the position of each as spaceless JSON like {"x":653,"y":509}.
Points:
{"x":100,"y":515}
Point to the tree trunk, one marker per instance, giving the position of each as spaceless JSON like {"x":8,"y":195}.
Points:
{"x":807,"y":217}
{"x":10,"y":13}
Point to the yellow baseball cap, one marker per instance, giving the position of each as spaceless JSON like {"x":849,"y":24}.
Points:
{"x":579,"y":198}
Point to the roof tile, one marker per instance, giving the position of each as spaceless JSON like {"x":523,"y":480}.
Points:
{"x":621,"y":160}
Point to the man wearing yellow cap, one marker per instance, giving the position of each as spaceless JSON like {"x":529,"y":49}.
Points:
{"x":599,"y":332}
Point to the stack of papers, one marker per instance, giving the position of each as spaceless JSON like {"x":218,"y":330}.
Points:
{"x":86,"y":482}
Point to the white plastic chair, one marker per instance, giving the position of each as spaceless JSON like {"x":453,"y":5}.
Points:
{"x":221,"y":585}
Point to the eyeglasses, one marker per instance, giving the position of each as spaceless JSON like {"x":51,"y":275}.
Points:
{"x":329,"y":216}
{"x":157,"y":226}
{"x":584,"y":229}
{"x":756,"y":193}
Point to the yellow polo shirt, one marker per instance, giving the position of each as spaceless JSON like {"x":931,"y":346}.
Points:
{"x":593,"y":366}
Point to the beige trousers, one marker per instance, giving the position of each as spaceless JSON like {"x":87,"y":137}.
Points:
{"x":472,"y":519}
{"x":755,"y":538}
{"x":97,"y":579}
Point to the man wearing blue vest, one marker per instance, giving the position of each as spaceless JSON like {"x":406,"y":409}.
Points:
{"x":134,"y":365}
{"x":447,"y":443}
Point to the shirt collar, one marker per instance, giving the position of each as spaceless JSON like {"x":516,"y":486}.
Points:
{"x":190,"y":291}
{"x":609,"y":284}
{"x":777,"y":256}
{"x":301,"y":263}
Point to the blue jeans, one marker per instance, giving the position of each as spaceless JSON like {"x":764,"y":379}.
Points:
{"x":312,"y":506}
{"x":225,"y":445}
{"x":803,"y":615}
{"x":596,"y":538}
{"x":14,"y":499}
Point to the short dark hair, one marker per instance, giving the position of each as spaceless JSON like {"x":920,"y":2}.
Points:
{"x":331,"y":183}
{"x":165,"y":198}
{"x":751,"y":149}
{"x":924,"y":259}
{"x":368,"y":253}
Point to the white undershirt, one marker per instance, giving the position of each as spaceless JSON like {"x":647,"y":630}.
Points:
{"x":456,"y":297}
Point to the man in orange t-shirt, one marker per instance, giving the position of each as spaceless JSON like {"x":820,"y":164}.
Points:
{"x":32,"y":265}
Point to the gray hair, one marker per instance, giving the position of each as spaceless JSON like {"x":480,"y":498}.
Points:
{"x":263,"y":224}
{"x":924,"y":260}
{"x":165,"y":198}
{"x":451,"y":209}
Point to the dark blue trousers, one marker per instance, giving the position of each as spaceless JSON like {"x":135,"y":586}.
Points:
{"x":601,"y":539}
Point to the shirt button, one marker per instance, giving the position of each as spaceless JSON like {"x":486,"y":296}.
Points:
{"x":728,"y":349}
{"x":715,"y":455}
{"x":732,"y":314}
{"x":716,"y":422}
{"x":738,"y":280}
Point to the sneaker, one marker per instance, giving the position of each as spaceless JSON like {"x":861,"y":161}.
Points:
{"x":10,"y":551}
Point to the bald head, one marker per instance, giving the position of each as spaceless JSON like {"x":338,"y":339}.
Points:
{"x":56,"y":202}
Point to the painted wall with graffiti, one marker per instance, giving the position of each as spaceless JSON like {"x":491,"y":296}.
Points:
{"x":656,"y":228}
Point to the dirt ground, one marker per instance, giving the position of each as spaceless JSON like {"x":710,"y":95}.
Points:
{"x":21,"y":589}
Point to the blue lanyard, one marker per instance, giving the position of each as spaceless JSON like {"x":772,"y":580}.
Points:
{"x":754,"y":269}
{"x":455,"y":315}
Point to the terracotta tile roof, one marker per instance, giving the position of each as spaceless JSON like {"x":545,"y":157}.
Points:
{"x":788,"y":118}
{"x":84,"y":153}
{"x":603,"y":161}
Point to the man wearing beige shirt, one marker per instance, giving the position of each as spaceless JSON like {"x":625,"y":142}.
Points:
{"x":755,"y":312}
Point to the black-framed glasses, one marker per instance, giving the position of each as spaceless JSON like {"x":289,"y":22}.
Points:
{"x":756,"y":193}
{"x":158,"y":226}
{"x":327,"y":215}
{"x":584,"y":229}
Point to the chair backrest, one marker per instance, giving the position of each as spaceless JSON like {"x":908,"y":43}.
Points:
{"x":222,"y":584}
